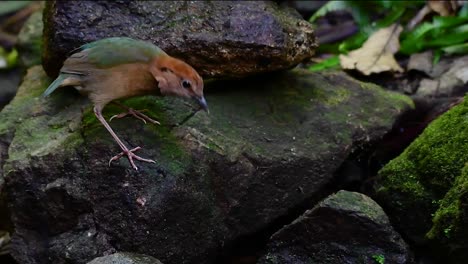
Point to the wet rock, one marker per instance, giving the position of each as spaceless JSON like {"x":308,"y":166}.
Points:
{"x":346,"y":227}
{"x":125,"y":258}
{"x":220,"y":39}
{"x":424,"y":190}
{"x":269,"y":144}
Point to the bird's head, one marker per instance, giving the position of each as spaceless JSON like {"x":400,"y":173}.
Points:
{"x":176,"y":77}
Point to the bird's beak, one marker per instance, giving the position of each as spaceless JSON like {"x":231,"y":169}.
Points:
{"x":202,"y":102}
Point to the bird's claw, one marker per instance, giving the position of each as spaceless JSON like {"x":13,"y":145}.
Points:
{"x":137,"y":114}
{"x":130,"y":155}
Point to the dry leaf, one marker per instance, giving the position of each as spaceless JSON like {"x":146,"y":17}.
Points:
{"x":443,"y":8}
{"x":376,"y":55}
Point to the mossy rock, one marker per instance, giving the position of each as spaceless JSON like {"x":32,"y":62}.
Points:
{"x":424,"y":190}
{"x":346,"y":227}
{"x":269,"y":144}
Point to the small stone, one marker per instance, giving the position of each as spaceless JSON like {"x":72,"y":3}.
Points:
{"x":125,"y":258}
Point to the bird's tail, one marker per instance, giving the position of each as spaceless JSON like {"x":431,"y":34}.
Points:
{"x":54,"y":85}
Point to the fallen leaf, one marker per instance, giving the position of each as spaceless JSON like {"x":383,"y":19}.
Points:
{"x":376,"y":54}
{"x":443,"y":8}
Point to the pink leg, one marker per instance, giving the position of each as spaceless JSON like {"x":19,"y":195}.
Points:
{"x":135,"y":113}
{"x":125,"y":151}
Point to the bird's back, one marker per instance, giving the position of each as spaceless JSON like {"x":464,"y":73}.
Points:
{"x":110,"y":52}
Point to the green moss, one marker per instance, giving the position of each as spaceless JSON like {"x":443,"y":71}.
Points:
{"x":338,"y":96}
{"x":379,"y":258}
{"x":399,"y":175}
{"x":449,"y":220}
{"x":168,"y":151}
{"x":429,"y":171}
{"x":25,"y":102}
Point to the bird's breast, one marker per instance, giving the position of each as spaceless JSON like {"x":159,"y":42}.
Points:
{"x":121,"y":81}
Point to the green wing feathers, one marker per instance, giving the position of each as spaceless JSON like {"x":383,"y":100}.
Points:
{"x":119,"y":50}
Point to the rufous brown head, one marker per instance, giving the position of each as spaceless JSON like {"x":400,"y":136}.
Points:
{"x":177,"y":78}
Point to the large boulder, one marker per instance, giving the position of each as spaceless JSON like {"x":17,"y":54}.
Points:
{"x":346,"y":227}
{"x":269,"y":144}
{"x":425,"y":189}
{"x":218,"y":38}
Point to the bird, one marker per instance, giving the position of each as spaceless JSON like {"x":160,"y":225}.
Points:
{"x":113,"y":68}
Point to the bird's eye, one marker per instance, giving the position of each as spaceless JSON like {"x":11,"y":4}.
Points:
{"x":186,"y":84}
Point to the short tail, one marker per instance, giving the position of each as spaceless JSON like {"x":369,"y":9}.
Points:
{"x":54,"y":85}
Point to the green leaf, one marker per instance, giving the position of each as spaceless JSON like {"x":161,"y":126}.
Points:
{"x":329,"y":63}
{"x":8,"y":59}
{"x":448,"y":21}
{"x":456,"y":49}
{"x":437,"y":56}
{"x":393,"y":16}
{"x":447,"y":40}
{"x":412,"y":42}
{"x":353,"y":42}
{"x":330,"y":6}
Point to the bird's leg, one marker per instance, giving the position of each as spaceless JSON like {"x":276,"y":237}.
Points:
{"x":125,"y":151}
{"x":135,"y":113}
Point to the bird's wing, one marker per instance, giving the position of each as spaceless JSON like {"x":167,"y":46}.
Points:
{"x":109,"y":52}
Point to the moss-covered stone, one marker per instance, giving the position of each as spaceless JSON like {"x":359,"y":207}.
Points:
{"x":346,"y":227}
{"x":268,"y":144}
{"x":424,"y":189}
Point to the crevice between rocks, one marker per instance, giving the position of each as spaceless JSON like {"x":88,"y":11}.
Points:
{"x":247,"y":249}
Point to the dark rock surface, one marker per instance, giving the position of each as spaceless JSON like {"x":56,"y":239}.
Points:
{"x":218,"y":38}
{"x":9,"y":81}
{"x":346,"y":227}
{"x":269,"y":144}
{"x":125,"y":258}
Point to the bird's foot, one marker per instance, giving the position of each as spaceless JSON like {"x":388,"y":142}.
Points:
{"x":137,"y":114}
{"x":130,"y":155}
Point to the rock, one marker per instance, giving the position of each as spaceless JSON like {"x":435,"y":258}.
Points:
{"x":220,"y":39}
{"x":29,"y":42}
{"x":421,"y":62}
{"x":9,"y":81}
{"x":449,"y":84}
{"x":346,"y":227}
{"x":269,"y":144}
{"x":424,"y":190}
{"x":125,"y":258}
